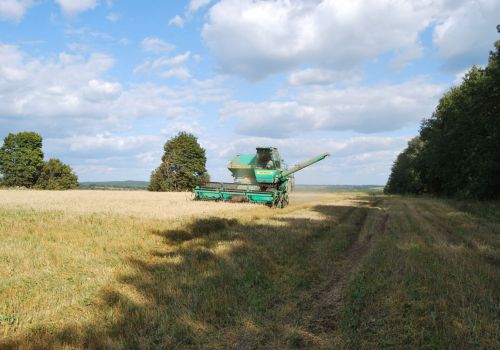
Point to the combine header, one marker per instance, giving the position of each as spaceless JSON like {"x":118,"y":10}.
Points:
{"x":260,"y":178}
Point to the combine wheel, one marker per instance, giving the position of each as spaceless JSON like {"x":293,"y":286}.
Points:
{"x":285,"y":200}
{"x":277,"y":201}
{"x":281,"y":201}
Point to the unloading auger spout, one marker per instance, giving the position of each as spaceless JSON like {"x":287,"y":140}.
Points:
{"x":260,"y":178}
{"x":287,"y":173}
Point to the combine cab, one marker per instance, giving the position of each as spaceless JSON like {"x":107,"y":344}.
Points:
{"x":260,"y":178}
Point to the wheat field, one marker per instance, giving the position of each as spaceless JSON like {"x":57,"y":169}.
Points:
{"x":141,"y":204}
{"x":141,"y":270}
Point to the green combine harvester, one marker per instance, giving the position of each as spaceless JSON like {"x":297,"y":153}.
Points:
{"x":260,"y":178}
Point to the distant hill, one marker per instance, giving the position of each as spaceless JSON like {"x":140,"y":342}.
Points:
{"x":126,"y":185}
{"x":339,"y":188}
{"x":142,"y":185}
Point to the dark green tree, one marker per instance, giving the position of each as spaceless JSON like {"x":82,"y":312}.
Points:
{"x":405,"y":177}
{"x":183,"y":165}
{"x":460,"y":150}
{"x":462,"y":138}
{"x":56,"y":175}
{"x":21,"y":159}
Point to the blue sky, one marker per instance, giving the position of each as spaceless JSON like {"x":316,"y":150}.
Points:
{"x":106,"y":83}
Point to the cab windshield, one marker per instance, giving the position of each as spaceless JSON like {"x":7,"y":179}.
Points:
{"x":264,"y":159}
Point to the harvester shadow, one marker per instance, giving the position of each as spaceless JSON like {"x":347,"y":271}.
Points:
{"x":215,"y":283}
{"x":198,"y":228}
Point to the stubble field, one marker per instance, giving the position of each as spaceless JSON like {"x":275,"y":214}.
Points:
{"x":112,"y":269}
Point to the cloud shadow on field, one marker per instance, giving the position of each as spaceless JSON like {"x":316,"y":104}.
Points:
{"x":218,"y":283}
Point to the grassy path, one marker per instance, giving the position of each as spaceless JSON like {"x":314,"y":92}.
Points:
{"x":347,"y":271}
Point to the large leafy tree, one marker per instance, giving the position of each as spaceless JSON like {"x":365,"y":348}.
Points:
{"x":183,"y":165}
{"x":21,"y":159}
{"x":56,"y":175}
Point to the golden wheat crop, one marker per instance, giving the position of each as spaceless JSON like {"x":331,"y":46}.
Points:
{"x":157,"y":205}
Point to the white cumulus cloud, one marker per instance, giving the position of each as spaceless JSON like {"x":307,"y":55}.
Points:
{"x":176,"y":21}
{"x":467,"y":33}
{"x":71,"y":95}
{"x":258,"y":38}
{"x":14,"y":9}
{"x":181,"y":73}
{"x":166,"y":67}
{"x":195,"y":5}
{"x":156,"y":45}
{"x":356,"y":108}
{"x":30,"y":87}
{"x":406,"y":56}
{"x":254,"y":39}
{"x":73,"y":7}
{"x":97,"y":90}
{"x":318,"y":76}
{"x":113,"y":17}
{"x":97,"y":156}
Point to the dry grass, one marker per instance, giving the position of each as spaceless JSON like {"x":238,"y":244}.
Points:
{"x":432,"y":281}
{"x":60,"y":250}
{"x":98,"y":269}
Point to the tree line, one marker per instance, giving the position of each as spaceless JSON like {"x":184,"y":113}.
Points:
{"x":22,"y":165}
{"x":457,"y":151}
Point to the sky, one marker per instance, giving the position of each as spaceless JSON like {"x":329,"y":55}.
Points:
{"x":107,"y":83}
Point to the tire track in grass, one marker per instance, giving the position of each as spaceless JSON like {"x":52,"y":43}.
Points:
{"x":481,"y":231}
{"x":443,"y":232}
{"x":307,"y":330}
{"x":452,"y":272}
{"x":425,"y":232}
{"x":452,"y":235}
{"x":325,"y":313}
